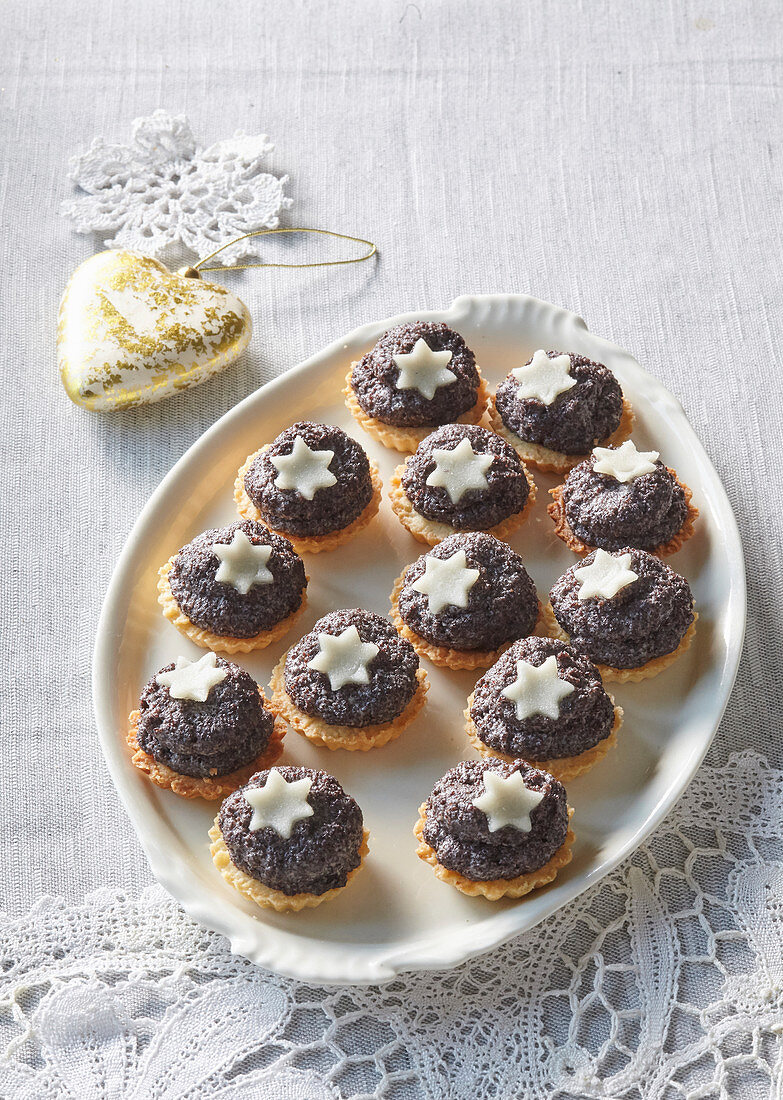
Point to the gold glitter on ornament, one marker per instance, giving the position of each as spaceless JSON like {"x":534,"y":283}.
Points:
{"x":131,"y":332}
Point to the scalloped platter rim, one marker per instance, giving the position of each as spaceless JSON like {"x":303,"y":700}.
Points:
{"x":396,"y":916}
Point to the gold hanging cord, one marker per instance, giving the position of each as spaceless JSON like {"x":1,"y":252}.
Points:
{"x":287,"y":229}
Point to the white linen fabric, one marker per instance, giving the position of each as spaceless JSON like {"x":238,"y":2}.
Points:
{"x":620,"y":159}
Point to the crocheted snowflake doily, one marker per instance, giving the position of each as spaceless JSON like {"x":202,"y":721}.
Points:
{"x":163,"y":190}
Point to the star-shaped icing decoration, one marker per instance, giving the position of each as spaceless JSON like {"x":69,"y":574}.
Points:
{"x":343,"y":658}
{"x":304,"y":470}
{"x":279,"y":804}
{"x":460,"y":470}
{"x":624,"y":463}
{"x":192,"y":679}
{"x":537,"y":689}
{"x":242,"y":563}
{"x":424,"y":370}
{"x":605,"y":576}
{"x":544,"y":378}
{"x":507,"y":801}
{"x":446,"y":582}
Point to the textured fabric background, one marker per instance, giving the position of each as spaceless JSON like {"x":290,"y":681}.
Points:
{"x":621,"y":159}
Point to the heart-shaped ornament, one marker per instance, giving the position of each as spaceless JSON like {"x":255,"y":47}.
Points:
{"x":130,"y":332}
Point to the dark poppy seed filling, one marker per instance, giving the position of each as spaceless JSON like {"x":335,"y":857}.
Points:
{"x":391,"y":671}
{"x":506,"y":490}
{"x":646,"y":619}
{"x":228,"y":730}
{"x":218,"y":606}
{"x":501,"y":603}
{"x":321,"y":850}
{"x":374,"y":378}
{"x":602,"y":511}
{"x":332,"y":507}
{"x":459,"y":832}
{"x":585,"y":717}
{"x":577,"y":419}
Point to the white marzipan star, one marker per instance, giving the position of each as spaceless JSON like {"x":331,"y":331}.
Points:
{"x":344,"y":658}
{"x":304,"y":470}
{"x":279,"y":804}
{"x":242,"y":563}
{"x":192,"y":679}
{"x":424,"y":370}
{"x":537,"y":689}
{"x":624,"y":463}
{"x":446,"y":582}
{"x":605,"y":576}
{"x":544,"y":378}
{"x":507,"y":801}
{"x":460,"y":470}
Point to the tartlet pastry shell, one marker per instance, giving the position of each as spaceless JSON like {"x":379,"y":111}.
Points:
{"x":219,"y":642}
{"x":551,"y":628}
{"x":263,"y":895}
{"x":562,"y":767}
{"x":556,"y":461}
{"x":308,"y":544}
{"x":191,"y":786}
{"x":354,"y":739}
{"x":441,"y":655}
{"x":407,"y":439}
{"x":431,"y":532}
{"x":563,"y":529}
{"x":494,"y":889}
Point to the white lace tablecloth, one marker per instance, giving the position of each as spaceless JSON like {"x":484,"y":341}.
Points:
{"x":621,"y":159}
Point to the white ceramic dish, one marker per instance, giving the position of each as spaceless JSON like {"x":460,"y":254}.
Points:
{"x":397,"y":916}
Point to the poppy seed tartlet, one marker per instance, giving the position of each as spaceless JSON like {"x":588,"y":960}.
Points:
{"x":495,"y":829}
{"x":544,"y":702}
{"x":290,"y":839}
{"x":313,"y":483}
{"x":351,"y":683}
{"x":557,"y":406}
{"x":627,"y":610}
{"x":465,"y":600}
{"x":416,"y":377}
{"x":461,"y":478}
{"x":620,"y":496}
{"x":203,"y":727}
{"x":234,"y":589}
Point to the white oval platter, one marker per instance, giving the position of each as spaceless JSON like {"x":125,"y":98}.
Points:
{"x":397,"y":916}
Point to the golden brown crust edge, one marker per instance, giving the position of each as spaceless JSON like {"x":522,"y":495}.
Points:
{"x":343,"y":737}
{"x":217,"y":642}
{"x":556,"y":462}
{"x":444,"y":656}
{"x":407,"y":439}
{"x":308,"y":544}
{"x":495,"y":888}
{"x":431,"y":532}
{"x":557,"y":514}
{"x":189,"y":786}
{"x":562,"y":767}
{"x":551,"y":628}
{"x":263,"y":895}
